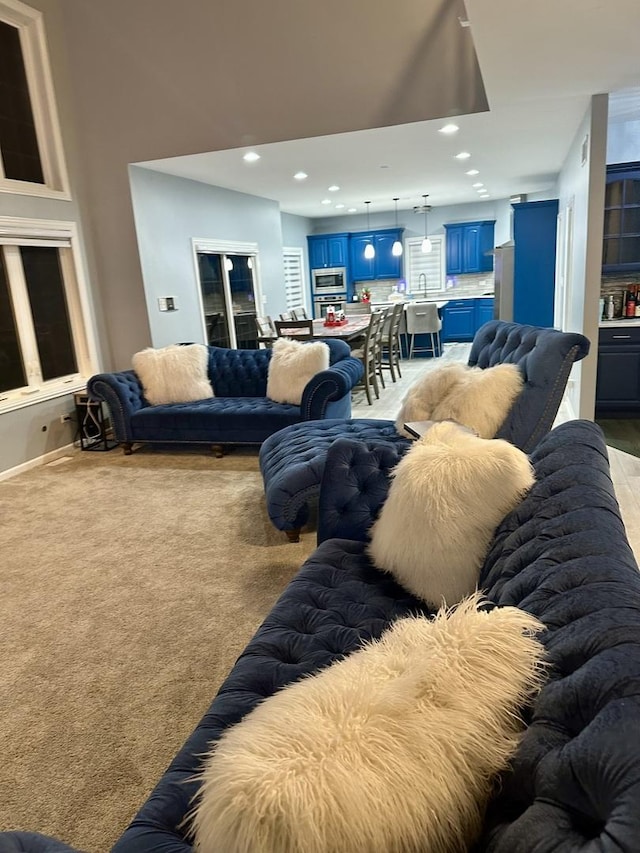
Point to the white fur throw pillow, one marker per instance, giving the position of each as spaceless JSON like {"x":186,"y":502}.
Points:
{"x":447,"y":496}
{"x":394,"y":748}
{"x":480,"y":399}
{"x":291,"y":366}
{"x":174,"y":374}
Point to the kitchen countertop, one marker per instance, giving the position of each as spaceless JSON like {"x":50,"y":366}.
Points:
{"x":619,"y":322}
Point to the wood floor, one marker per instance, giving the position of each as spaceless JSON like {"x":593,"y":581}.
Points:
{"x":625,"y":468}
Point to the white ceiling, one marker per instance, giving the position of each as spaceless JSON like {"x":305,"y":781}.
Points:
{"x":540,"y":63}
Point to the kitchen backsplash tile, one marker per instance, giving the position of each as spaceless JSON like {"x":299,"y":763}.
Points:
{"x":458,"y":286}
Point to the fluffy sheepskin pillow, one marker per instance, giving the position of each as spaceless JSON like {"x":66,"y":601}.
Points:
{"x":291,"y":366}
{"x":447,"y":496}
{"x":480,"y":399}
{"x":174,"y":374}
{"x":394,"y":748}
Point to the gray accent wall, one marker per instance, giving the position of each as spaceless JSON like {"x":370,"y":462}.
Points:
{"x":169,"y":213}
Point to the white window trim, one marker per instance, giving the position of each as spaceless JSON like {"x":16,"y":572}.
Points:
{"x":225,"y":247}
{"x":45,"y":114}
{"x":304,"y":286}
{"x":80,"y":316}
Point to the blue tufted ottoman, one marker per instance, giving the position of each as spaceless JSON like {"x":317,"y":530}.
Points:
{"x":292,"y":461}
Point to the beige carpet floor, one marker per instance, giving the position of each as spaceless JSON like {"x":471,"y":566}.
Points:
{"x":129,"y":587}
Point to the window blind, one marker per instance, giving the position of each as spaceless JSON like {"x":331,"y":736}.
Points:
{"x":429,"y":264}
{"x":293,"y":278}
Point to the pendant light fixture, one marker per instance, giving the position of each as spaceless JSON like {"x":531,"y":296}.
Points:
{"x":426,"y":242}
{"x":369,"y":250}
{"x":396,"y":249}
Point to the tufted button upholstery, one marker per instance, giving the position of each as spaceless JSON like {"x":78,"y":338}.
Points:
{"x":240,"y":413}
{"x":292,"y":463}
{"x":562,"y":555}
{"x":545,"y":358}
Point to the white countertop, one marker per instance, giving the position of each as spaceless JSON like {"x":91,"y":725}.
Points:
{"x":619,"y":322}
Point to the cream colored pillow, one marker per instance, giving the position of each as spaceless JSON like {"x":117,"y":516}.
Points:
{"x":448,"y":494}
{"x":394,"y":748}
{"x":292,"y":365}
{"x":174,"y":374}
{"x":480,"y":399}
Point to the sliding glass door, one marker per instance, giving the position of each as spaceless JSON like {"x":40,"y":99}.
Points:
{"x":227,"y":285}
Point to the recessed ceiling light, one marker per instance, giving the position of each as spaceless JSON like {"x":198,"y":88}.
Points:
{"x":472,"y":172}
{"x":478,"y":184}
{"x":352,"y":210}
{"x":326,"y":201}
{"x":449,"y":128}
{"x":485,"y":195}
{"x":333,"y":188}
{"x":251,"y":157}
{"x":463,"y":155}
{"x":300,"y":176}
{"x":339,"y":206}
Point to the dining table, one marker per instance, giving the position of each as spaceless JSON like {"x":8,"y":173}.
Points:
{"x":355,"y":327}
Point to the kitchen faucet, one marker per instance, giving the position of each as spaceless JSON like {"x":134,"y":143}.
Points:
{"x":420,"y":282}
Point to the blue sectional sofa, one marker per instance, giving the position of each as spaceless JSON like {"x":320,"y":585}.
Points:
{"x":562,"y":555}
{"x":240,"y":413}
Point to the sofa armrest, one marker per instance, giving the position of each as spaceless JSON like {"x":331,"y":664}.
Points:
{"x":332,"y":384}
{"x":123,"y":394}
{"x":354,"y":486}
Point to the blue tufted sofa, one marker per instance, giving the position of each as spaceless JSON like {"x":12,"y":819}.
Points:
{"x":292,"y":461}
{"x":240,"y":413}
{"x":562,"y":555}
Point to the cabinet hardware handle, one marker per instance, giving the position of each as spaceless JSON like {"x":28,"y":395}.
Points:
{"x":618,"y":337}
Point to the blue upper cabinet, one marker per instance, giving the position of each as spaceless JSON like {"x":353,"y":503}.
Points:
{"x":384,"y":265}
{"x":328,"y":250}
{"x":621,"y":242}
{"x":362,"y":269}
{"x":469,"y":246}
{"x":534,"y":261}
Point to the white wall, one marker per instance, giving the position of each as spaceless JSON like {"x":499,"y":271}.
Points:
{"x":168,"y":213}
{"x":581,"y":187}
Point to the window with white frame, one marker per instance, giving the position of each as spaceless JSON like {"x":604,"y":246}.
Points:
{"x":425,"y":271}
{"x":293,"y":278}
{"x":31,"y":159}
{"x":45,"y":343}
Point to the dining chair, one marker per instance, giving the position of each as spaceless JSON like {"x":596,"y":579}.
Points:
{"x":385,"y":315}
{"x":391,"y":350}
{"x":266,"y":330}
{"x":301,"y":330}
{"x":287,"y":315}
{"x":299,"y":313}
{"x":367,"y":355}
{"x":423,"y":318}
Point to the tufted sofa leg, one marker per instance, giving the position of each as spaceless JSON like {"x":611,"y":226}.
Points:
{"x":217,"y":450}
{"x":127,"y":446}
{"x":293,"y":535}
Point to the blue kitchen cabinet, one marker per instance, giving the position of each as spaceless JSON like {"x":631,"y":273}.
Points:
{"x":484,"y":311}
{"x":458,"y":320}
{"x":384,"y":265}
{"x":469,"y":246}
{"x":328,"y":251}
{"x":534,"y":261}
{"x":621,"y":239}
{"x":361,"y":268}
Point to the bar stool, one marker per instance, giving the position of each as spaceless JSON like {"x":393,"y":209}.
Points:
{"x":423,"y":318}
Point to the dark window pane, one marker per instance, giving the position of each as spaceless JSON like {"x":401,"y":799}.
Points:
{"x":49,"y":311}
{"x":630,"y":250}
{"x":611,"y":251}
{"x":12,"y":373}
{"x":632,"y":191}
{"x":243,"y":301}
{"x":18,"y":140}
{"x":612,"y":219}
{"x":215,"y":311}
{"x":613,"y":194}
{"x":631,"y":220}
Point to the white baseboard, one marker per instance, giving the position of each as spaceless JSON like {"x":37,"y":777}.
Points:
{"x":34,"y":463}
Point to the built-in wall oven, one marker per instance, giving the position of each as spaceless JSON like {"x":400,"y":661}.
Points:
{"x":333,"y":280}
{"x":321,"y":303}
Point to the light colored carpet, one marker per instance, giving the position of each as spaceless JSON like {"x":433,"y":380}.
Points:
{"x":129,"y":587}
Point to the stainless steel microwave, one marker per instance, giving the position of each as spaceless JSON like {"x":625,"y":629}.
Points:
{"x":332,"y":280}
